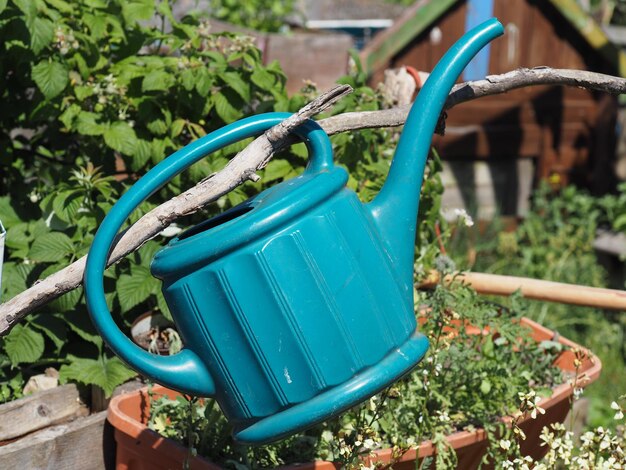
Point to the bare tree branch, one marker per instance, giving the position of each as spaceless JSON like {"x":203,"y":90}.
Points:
{"x":260,"y":151}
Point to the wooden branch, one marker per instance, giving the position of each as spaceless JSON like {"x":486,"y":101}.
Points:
{"x":259,"y":152}
{"x":492,"y":85}
{"x":537,"y":289}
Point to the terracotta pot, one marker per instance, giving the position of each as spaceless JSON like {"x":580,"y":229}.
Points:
{"x":147,"y":323}
{"x":139,"y":448}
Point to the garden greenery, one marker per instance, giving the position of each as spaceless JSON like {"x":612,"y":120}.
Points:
{"x":555,"y":242}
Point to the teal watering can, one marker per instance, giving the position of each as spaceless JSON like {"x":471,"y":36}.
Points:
{"x":298,"y":303}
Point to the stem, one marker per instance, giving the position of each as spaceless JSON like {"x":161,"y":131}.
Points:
{"x":439,"y":239}
{"x":190,"y":432}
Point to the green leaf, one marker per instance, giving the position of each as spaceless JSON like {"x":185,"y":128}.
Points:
{"x":12,"y":283}
{"x":237,"y":83}
{"x":163,"y":307}
{"x":177,"y":127}
{"x":67,"y":301}
{"x":619,"y":223}
{"x":51,"y":77}
{"x":157,"y":126}
{"x":188,"y":79}
{"x":485,"y":386}
{"x":80,"y":324}
{"x":97,"y":24}
{"x":121,"y":137}
{"x":53,"y":327}
{"x":135,"y":288}
{"x":157,"y":80}
{"x":18,"y":239}
{"x":23,"y":344}
{"x":51,"y":247}
{"x":83,"y":91}
{"x":226,"y":111}
{"x":263,"y":79}
{"x":68,"y":116}
{"x":61,"y":5}
{"x":137,"y":10}
{"x":106,"y":373}
{"x":86,"y":124}
{"x":203,"y":81}
{"x":28,"y":7}
{"x":7,"y":214}
{"x":66,"y":205}
{"x":143,"y":152}
{"x":3,"y":5}
{"x":41,"y":32}
{"x":277,"y":169}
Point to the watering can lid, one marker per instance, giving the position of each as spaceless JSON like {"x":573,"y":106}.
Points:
{"x":265,"y":213}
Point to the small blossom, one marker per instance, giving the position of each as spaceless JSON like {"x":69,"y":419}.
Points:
{"x":505,"y":444}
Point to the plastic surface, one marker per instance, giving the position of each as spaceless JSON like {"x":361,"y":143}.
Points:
{"x":298,"y":303}
{"x":183,"y":371}
{"x":395,"y":208}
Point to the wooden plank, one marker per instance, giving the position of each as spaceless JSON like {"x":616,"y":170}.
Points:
{"x":84,"y":444}
{"x":509,"y":141}
{"x":40,"y":410}
{"x":507,"y":51}
{"x":525,"y":112}
{"x":326,"y":58}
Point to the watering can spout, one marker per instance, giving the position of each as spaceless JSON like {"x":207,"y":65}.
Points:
{"x":395,"y":208}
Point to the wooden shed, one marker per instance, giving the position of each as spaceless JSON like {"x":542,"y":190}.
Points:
{"x":568,"y":134}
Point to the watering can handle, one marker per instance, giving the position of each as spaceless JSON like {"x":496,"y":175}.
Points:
{"x":184,"y":371}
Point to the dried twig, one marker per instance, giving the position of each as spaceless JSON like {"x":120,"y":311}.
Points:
{"x":259,"y":152}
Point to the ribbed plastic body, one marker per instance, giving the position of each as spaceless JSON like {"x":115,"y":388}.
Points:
{"x":295,"y":313}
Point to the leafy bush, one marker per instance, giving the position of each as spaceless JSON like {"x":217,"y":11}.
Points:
{"x":94,"y":94}
{"x":261,"y":15}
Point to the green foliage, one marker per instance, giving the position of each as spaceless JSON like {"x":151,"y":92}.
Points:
{"x":93,"y":96}
{"x":261,"y":15}
{"x":555,"y":242}
{"x":104,"y":372}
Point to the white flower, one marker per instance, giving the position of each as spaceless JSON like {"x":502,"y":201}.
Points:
{"x":465,"y":218}
{"x":369,"y":443}
{"x":505,"y":444}
{"x":620,"y":413}
{"x":536,"y":408}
